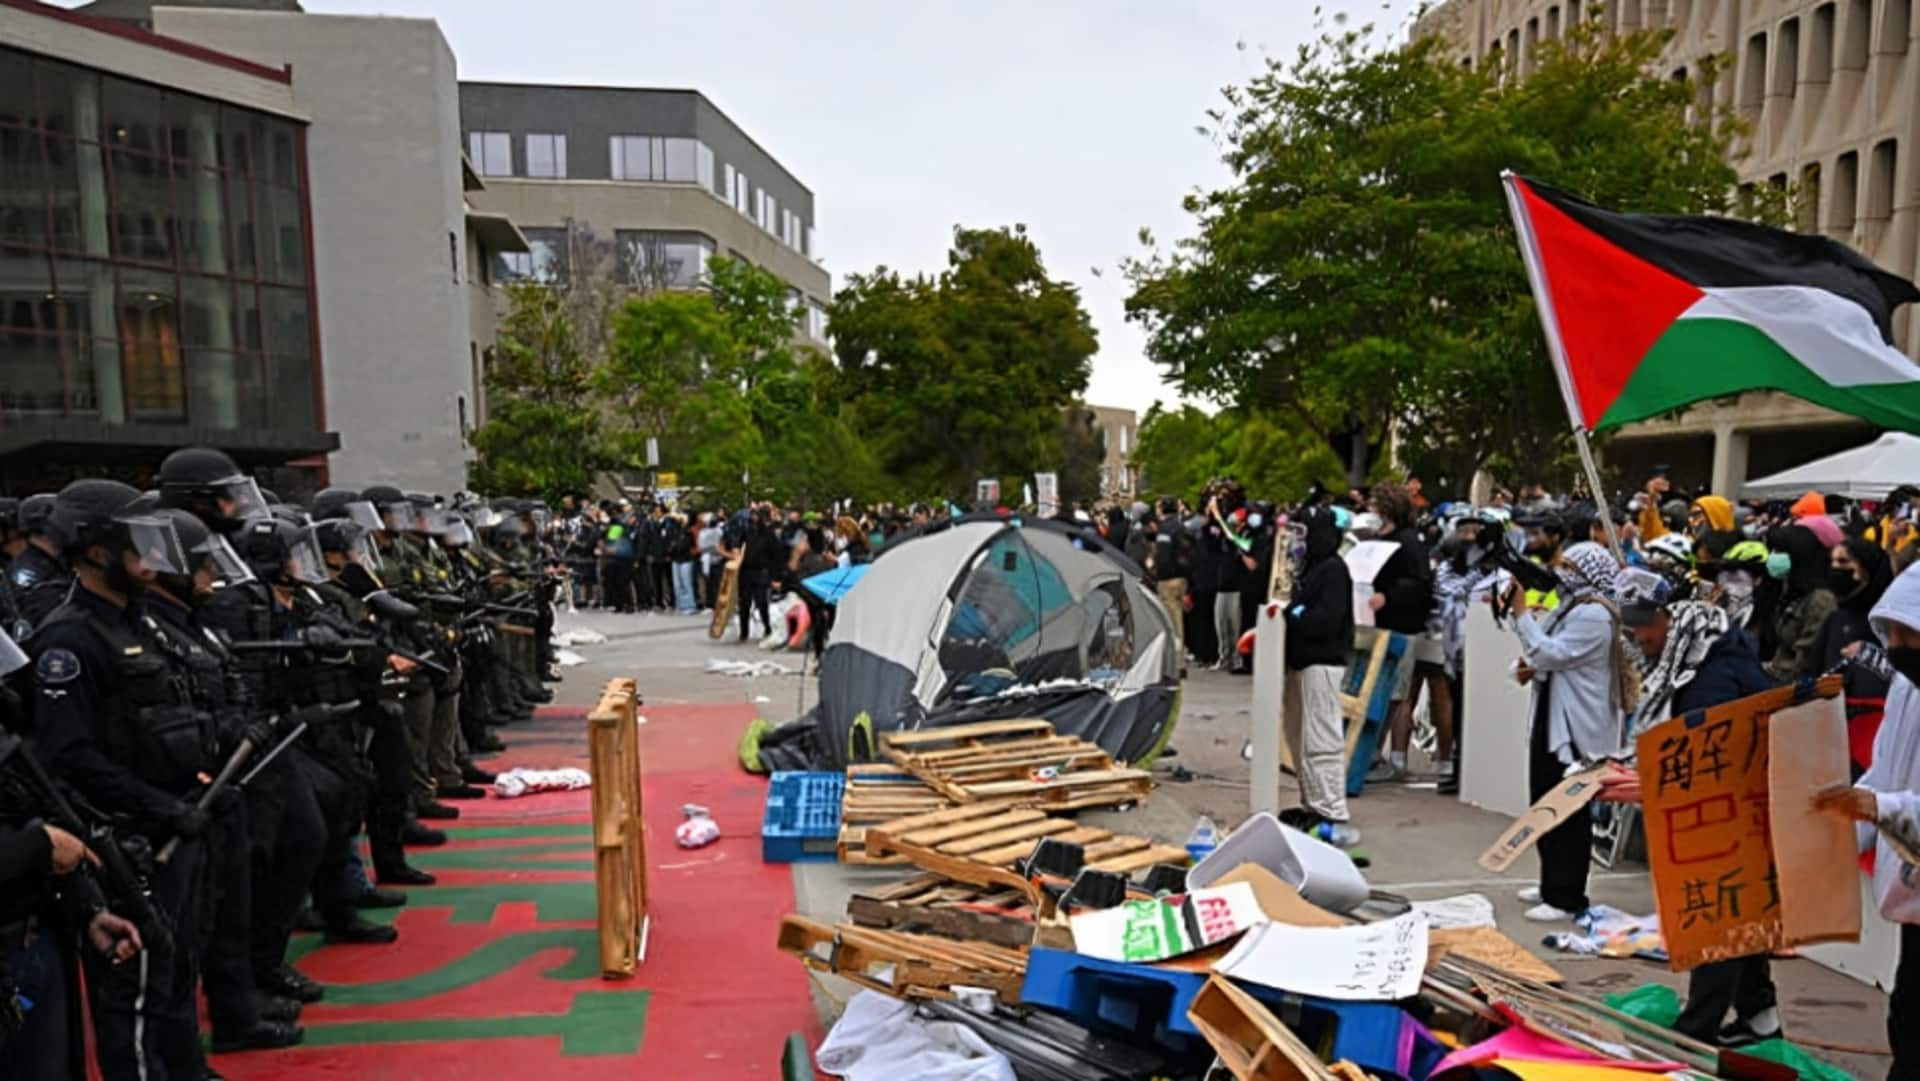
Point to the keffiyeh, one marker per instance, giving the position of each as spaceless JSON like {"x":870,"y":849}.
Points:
{"x":1588,"y":568}
{"x":1694,"y":629}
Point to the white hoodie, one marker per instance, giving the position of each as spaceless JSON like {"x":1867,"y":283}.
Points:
{"x":1895,"y":776}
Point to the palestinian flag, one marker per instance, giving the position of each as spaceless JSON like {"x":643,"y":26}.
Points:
{"x":1647,"y":313}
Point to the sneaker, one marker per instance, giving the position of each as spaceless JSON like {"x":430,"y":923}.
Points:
{"x":1747,"y":1031}
{"x":1385,"y":772}
{"x":1529,"y":896}
{"x":1546,"y":913}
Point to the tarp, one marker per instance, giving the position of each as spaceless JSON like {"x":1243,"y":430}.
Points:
{"x":995,"y":618}
{"x":832,"y":585}
{"x":1867,"y":472}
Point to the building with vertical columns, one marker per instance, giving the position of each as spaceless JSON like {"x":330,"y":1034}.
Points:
{"x":1119,"y":431}
{"x":1831,"y":90}
{"x":157,"y":280}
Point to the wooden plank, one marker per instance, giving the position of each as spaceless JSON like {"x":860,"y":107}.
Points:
{"x":951,"y":814}
{"x":1142,"y":859}
{"x":1251,"y":1042}
{"x":928,"y":736}
{"x":937,"y":835}
{"x":1065,"y":780}
{"x":1026,"y":831}
{"x":1117,"y":846}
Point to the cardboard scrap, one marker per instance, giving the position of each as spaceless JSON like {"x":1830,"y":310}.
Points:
{"x":1147,"y":931}
{"x":1489,"y":947}
{"x":1571,"y":794}
{"x":1278,"y":899}
{"x":1814,"y":854}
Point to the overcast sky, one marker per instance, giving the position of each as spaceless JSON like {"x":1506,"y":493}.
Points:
{"x":1075,"y":117}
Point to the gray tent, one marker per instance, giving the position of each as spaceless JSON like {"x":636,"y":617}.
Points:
{"x":998,"y":618}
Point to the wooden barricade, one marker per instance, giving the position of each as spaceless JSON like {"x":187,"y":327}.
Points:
{"x":619,"y":835}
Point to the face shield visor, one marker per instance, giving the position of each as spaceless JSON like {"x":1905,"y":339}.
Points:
{"x":484,"y":519}
{"x":238,"y":498}
{"x":365,"y":515}
{"x":509,"y":530}
{"x":304,"y":562}
{"x":396,"y":517}
{"x":216,"y":555}
{"x":457,"y":533}
{"x":432,"y":521}
{"x":152,"y":541}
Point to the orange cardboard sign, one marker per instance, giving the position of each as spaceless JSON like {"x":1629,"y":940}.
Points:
{"x":1704,"y":779}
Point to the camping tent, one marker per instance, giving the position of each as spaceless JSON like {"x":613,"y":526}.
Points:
{"x":994,"y":618}
{"x":1868,"y":472}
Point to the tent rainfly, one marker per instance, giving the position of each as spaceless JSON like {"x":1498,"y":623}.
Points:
{"x":994,"y":618}
{"x":1867,"y":472}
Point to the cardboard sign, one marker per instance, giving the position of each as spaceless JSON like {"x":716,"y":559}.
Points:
{"x":1144,"y":931}
{"x":1568,"y":796}
{"x":1704,"y":780}
{"x":1364,"y":560}
{"x":1814,"y":853}
{"x":1046,"y":487}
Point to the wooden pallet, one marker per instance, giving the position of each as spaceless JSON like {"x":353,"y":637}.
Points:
{"x":994,"y":759}
{"x":922,"y":966}
{"x":619,"y":834}
{"x":879,"y":792}
{"x":1251,"y":1042}
{"x":936,"y":905}
{"x":979,"y":843}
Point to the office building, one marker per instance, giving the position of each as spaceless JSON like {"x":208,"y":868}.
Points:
{"x":649,"y":182}
{"x":1830,"y":89}
{"x":157,"y":280}
{"x":1118,"y":431}
{"x":404,"y":313}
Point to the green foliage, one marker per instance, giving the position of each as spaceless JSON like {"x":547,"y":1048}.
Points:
{"x":1360,"y":278}
{"x":964,"y":375}
{"x":1083,"y":450}
{"x":1180,"y":450}
{"x":542,"y":436}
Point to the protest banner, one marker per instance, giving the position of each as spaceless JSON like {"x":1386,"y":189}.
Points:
{"x":1705,"y":784}
{"x":1807,"y":754}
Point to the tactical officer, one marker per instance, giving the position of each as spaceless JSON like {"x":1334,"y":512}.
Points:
{"x":206,"y":483}
{"x":40,"y":577}
{"x":112,"y":718}
{"x":243,"y":1018}
{"x":446,"y":608}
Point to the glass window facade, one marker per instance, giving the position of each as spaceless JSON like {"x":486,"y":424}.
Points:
{"x":547,"y":156}
{"x":660,"y":158}
{"x":153,"y":254}
{"x":651,"y":259}
{"x":545,"y":261}
{"x":491,"y":152}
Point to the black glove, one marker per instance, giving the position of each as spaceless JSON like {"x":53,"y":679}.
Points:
{"x":224,"y":801}
{"x":260,"y":734}
{"x":186,"y":820}
{"x":321,"y":636}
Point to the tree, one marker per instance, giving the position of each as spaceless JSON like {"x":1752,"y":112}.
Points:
{"x":543,"y":435}
{"x":1180,"y":450}
{"x":1083,"y":450}
{"x":1360,"y":278}
{"x":964,"y":375}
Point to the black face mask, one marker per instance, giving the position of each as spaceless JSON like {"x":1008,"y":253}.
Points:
{"x":1842,"y":582}
{"x":1906,"y":661}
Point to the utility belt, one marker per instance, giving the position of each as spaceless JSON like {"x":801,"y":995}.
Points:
{"x":170,"y":746}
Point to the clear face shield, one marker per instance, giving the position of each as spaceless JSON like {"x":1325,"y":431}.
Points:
{"x":484,"y":518}
{"x":153,"y":545}
{"x":432,"y":521}
{"x":396,"y":517}
{"x":304,"y":562}
{"x":218,"y":557}
{"x":366,"y":516}
{"x":239,"y":498}
{"x":457,"y":533}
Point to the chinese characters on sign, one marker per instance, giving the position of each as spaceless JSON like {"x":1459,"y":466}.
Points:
{"x":1709,"y":830}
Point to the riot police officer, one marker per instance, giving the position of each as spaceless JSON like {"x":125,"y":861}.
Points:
{"x":39,"y":575}
{"x":112,"y":719}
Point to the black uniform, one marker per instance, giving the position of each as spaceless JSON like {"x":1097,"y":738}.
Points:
{"x":113,"y":719}
{"x":40,"y":584}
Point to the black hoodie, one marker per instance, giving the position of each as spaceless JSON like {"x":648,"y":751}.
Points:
{"x":1320,"y":613}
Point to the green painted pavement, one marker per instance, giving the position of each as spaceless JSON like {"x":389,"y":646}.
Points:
{"x":582,"y":830}
{"x":522,"y":857}
{"x":597,"y":1023}
{"x":488,"y":960}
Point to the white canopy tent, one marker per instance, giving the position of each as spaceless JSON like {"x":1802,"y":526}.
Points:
{"x":1868,"y":472}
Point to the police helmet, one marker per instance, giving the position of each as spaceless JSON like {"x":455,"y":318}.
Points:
{"x":208,"y":483}
{"x":34,"y":511}
{"x":281,"y":551}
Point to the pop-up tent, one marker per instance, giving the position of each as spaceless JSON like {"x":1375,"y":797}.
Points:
{"x":1868,"y":472}
{"x":995,"y":618}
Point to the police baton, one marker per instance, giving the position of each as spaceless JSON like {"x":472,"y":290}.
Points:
{"x":244,"y":753}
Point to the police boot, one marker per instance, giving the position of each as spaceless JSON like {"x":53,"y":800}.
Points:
{"x":375,"y":897}
{"x":279,"y":1008}
{"x":348,"y":928}
{"x":263,"y":1036}
{"x":289,"y":982}
{"x":435,"y":809}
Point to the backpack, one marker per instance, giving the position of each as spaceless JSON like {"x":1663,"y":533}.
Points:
{"x":1626,"y":674}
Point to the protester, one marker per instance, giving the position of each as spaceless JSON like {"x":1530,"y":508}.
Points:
{"x":1401,"y":602}
{"x":1799,"y":564}
{"x":1319,"y":644}
{"x":1570,"y":659}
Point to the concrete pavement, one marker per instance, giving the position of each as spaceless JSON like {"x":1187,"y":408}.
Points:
{"x":1422,"y":845}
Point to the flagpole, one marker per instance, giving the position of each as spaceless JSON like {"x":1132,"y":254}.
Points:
{"x":1557,"y":353}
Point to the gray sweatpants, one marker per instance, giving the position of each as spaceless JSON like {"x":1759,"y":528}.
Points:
{"x":1316,"y":735}
{"x":1226,"y":624}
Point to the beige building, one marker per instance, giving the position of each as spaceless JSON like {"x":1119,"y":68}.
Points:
{"x":1118,"y":430}
{"x":1829,"y":88}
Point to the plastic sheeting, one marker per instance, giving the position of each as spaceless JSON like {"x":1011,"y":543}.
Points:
{"x":881,"y":1039}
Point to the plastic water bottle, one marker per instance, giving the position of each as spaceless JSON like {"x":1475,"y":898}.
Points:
{"x":1203,"y":839}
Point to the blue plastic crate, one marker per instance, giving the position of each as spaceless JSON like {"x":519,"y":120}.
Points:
{"x":802,"y":822}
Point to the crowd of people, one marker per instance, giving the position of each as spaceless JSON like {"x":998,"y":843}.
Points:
{"x":1684,"y":605}
{"x":209,"y":696}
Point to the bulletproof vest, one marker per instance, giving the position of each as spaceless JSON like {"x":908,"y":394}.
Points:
{"x":150,"y":722}
{"x":212,"y":673}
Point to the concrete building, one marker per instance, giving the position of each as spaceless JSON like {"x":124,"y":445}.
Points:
{"x":157,"y":266}
{"x":1119,"y":428}
{"x":660,"y":179}
{"x":1831,"y":89}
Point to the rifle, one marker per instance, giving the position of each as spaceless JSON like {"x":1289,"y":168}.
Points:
{"x":124,"y":884}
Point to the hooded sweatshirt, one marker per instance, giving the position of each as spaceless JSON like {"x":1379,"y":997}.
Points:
{"x":1320,"y":614}
{"x":1810,"y":504}
{"x":1719,"y":512}
{"x":1895,"y":776}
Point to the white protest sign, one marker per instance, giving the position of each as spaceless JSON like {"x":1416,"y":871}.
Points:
{"x":1374,"y":962}
{"x":1364,"y":560}
{"x":1046,"y":487}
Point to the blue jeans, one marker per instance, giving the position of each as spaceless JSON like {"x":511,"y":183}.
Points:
{"x":683,"y":587}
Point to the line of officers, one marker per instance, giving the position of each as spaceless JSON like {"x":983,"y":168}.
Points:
{"x":226,"y":689}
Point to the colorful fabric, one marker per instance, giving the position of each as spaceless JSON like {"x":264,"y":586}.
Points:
{"x":1695,"y":627}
